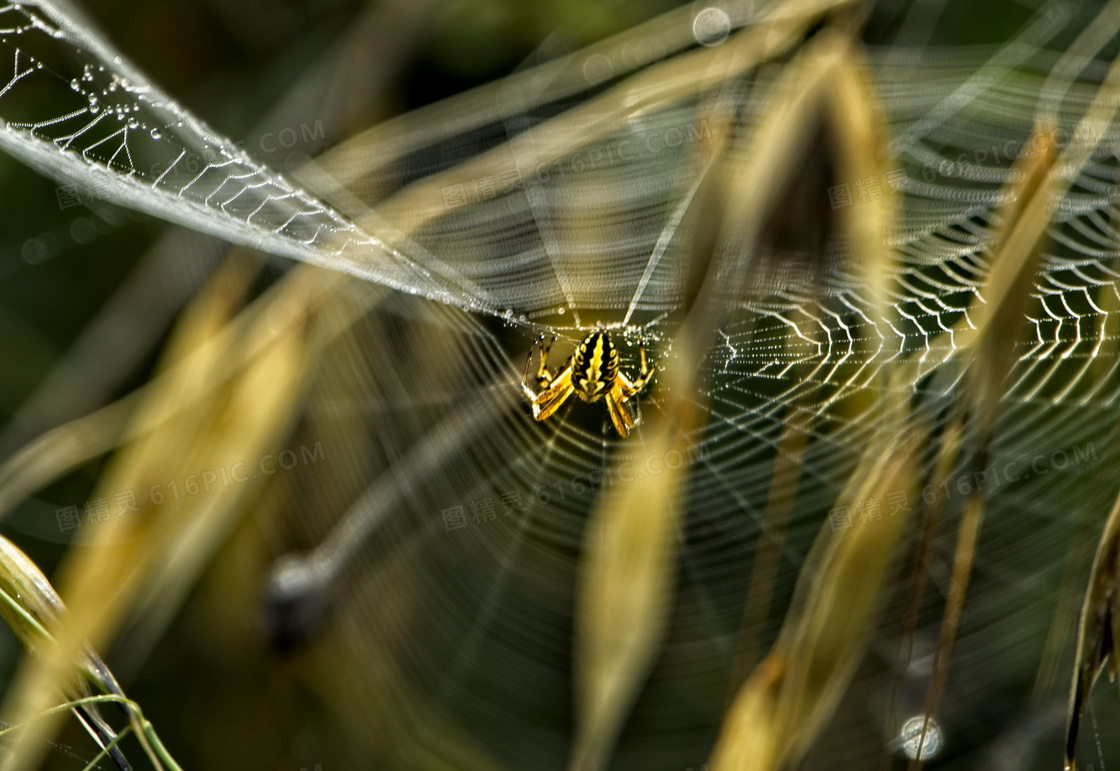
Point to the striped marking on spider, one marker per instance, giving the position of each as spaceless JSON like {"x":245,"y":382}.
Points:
{"x":592,"y":373}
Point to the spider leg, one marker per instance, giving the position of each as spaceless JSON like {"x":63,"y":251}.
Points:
{"x":631,"y":388}
{"x":619,"y":411}
{"x":626,"y":387}
{"x":548,"y":401}
{"x":646,"y":371}
{"x":544,"y":374}
{"x":525,"y":377}
{"x":630,"y":408}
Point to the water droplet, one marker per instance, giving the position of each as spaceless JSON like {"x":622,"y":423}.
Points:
{"x":911,"y":736}
{"x":560,"y":310}
{"x":597,"y":68}
{"x":133,"y":123}
{"x":156,"y":134}
{"x":82,"y":230}
{"x":508,"y":313}
{"x":711,"y":26}
{"x":35,"y":251}
{"x":75,"y":84}
{"x":522,"y":318}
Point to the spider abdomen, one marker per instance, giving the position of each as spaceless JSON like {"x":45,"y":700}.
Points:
{"x":594,"y":366}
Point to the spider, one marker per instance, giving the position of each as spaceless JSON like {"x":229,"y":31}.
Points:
{"x":592,"y":373}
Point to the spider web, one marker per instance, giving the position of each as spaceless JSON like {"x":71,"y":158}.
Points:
{"x":556,"y":240}
{"x":75,"y":110}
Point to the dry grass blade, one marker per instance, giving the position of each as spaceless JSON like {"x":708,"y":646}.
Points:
{"x":779,"y":711}
{"x":1041,"y":180}
{"x":1098,"y":630}
{"x":687,"y":75}
{"x":931,"y":516}
{"x":859,"y":131}
{"x":990,"y":338}
{"x":990,"y":330}
{"x":629,"y":567}
{"x":764,"y":570}
{"x":630,"y":554}
{"x":1105,"y":366}
{"x":788,"y":698}
{"x":385,"y":143}
{"x":998,"y":317}
{"x":996,"y":328}
{"x":63,"y":449}
{"x":31,"y":608}
{"x":854,"y":125}
{"x":38,"y":609}
{"x":159,"y":547}
{"x":998,"y":322}
{"x":968,"y":535}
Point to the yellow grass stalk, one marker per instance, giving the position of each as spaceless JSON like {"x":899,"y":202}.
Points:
{"x":358,"y":158}
{"x":990,"y":330}
{"x":858,"y":129}
{"x":791,"y":695}
{"x":931,"y":517}
{"x":1097,"y":631}
{"x":996,"y":325}
{"x":166,"y":540}
{"x":998,"y":322}
{"x":853,"y":120}
{"x":628,"y":571}
{"x":31,"y":608}
{"x":630,"y":555}
{"x":999,"y":311}
{"x":662,"y":84}
{"x":63,"y":449}
{"x":764,"y":569}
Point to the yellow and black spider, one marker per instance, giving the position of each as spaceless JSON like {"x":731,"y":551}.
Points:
{"x":592,"y":373}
